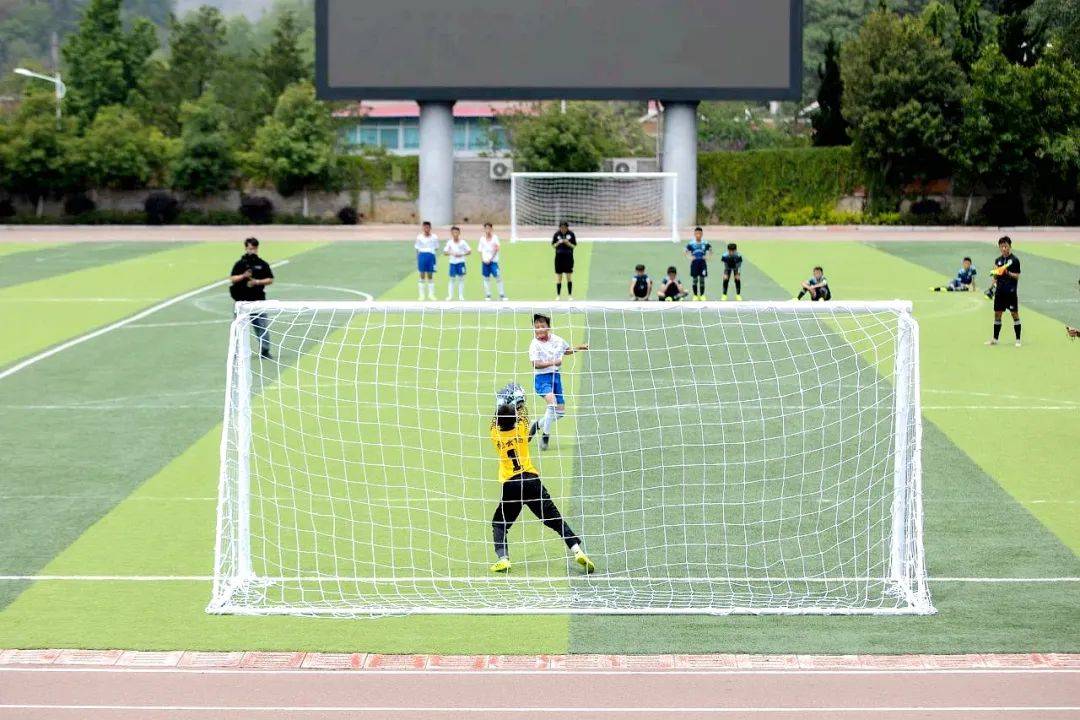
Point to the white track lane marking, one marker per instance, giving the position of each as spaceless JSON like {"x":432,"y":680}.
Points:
{"x":548,"y":710}
{"x":119,"y":324}
{"x":367,"y":672}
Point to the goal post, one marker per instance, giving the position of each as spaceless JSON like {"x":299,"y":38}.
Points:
{"x":598,"y":206}
{"x":752,"y":457}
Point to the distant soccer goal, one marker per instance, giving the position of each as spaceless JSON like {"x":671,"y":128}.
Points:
{"x":714,"y":458}
{"x":598,"y":206}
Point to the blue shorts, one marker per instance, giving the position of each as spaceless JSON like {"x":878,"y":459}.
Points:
{"x":547,"y":383}
{"x":457,"y":269}
{"x":489,"y":269}
{"x":425,"y":262}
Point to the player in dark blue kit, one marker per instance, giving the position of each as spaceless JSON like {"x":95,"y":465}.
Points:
{"x":732,"y":260}
{"x":817,"y":287}
{"x":964,"y":280}
{"x":699,"y":253}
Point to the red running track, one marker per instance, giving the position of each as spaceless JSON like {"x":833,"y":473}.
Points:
{"x":79,"y":684}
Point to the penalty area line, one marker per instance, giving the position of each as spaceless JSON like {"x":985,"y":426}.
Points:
{"x":33,"y":360}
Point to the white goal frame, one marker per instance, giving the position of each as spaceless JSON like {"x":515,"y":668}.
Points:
{"x":608,"y":233}
{"x":906,"y":578}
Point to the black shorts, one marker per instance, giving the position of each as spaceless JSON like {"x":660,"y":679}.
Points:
{"x":822,"y":294}
{"x":699,"y":268}
{"x":564,"y":264}
{"x":1006,"y":300}
{"x":730,"y":270}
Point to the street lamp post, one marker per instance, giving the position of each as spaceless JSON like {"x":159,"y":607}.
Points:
{"x":61,"y":88}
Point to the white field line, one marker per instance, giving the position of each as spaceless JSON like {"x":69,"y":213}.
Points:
{"x":536,"y":579}
{"x":118,"y":324}
{"x":502,"y":710}
{"x":179,"y":323}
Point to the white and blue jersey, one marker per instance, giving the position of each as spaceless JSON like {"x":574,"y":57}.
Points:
{"x":699,"y":250}
{"x":548,"y":380}
{"x":965,"y":277}
{"x":426,"y":248}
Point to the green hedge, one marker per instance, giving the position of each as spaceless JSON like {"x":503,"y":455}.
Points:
{"x":772,"y":187}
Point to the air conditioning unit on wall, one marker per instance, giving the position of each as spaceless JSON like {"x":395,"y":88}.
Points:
{"x":501,"y":168}
{"x":624,"y":165}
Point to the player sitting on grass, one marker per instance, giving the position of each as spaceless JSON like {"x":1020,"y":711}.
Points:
{"x":521,"y":485}
{"x":641,"y":285}
{"x":546,"y":352}
{"x":671,"y":288}
{"x":699,"y":251}
{"x":817,"y":286}
{"x":732,"y":260}
{"x":457,"y":249}
{"x":964,"y":280}
{"x":489,"y":258}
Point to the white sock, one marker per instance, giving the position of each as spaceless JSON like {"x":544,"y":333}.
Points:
{"x":431,"y":289}
{"x":576,"y":549}
{"x":548,"y":419}
{"x":461,"y":288}
{"x":421,"y":285}
{"x":502,"y":290}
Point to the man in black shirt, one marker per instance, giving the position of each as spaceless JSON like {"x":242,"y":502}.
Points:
{"x":564,"y":243}
{"x":1006,"y":278}
{"x":250,"y":276}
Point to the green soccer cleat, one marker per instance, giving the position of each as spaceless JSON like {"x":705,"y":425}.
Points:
{"x":738,"y":298}
{"x":583,"y":560}
{"x":723,"y":298}
{"x":501,"y":566}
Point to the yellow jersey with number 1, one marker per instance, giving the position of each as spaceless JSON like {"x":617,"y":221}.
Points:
{"x":513,"y":448}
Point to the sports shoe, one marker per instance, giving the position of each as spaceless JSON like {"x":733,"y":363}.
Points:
{"x":569,"y":298}
{"x":488,"y":298}
{"x":266,"y":354}
{"x":503,"y":298}
{"x":502,"y":565}
{"x":1018,"y":343}
{"x":545,"y":440}
{"x":723,"y":298}
{"x":704,"y":299}
{"x":992,"y":341}
{"x":738,"y":298}
{"x":583,"y":560}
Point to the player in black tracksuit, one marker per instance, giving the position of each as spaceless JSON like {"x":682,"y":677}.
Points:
{"x":249,"y":279}
{"x":1006,"y":278}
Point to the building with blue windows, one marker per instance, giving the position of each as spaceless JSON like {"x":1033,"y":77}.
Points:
{"x":394,"y":125}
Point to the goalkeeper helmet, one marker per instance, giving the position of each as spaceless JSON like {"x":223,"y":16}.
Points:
{"x":511,"y":394}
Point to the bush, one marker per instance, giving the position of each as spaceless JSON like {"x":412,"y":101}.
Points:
{"x":926,"y":207}
{"x":759,"y":187}
{"x":257,"y":210}
{"x":7,"y":208}
{"x":161,"y":208}
{"x":1005,"y":210}
{"x":348,"y":216}
{"x":79,"y":204}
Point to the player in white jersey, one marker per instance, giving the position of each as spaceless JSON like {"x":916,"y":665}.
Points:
{"x":427,"y":245}
{"x":489,"y":258}
{"x":457,"y":250}
{"x":546,"y":352}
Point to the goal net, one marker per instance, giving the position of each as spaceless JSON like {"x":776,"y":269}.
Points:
{"x":598,"y":206}
{"x":714,"y":458}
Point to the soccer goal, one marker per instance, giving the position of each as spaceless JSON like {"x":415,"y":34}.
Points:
{"x":714,"y":458}
{"x":598,"y":206}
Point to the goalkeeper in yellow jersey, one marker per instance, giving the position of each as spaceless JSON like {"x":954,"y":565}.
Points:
{"x":521,"y":485}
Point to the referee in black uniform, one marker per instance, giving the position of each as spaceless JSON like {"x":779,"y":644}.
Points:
{"x":564,"y":242}
{"x":250,"y":276}
{"x":1006,"y":276}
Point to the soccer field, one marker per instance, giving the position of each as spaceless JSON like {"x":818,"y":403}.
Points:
{"x":110,"y":542}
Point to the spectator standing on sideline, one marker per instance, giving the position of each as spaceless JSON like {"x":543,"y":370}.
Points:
{"x":250,"y":276}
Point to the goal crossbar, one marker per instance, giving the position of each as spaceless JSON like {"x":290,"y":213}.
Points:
{"x":767,"y":461}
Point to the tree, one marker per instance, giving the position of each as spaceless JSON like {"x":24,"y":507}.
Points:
{"x":1055,"y":83}
{"x":958,"y":25}
{"x":36,"y":158}
{"x":295,"y":148}
{"x":283,"y":62}
{"x":104,"y":62}
{"x":1061,"y":18}
{"x":121,"y":152}
{"x":830,"y":127}
{"x":205,"y":163}
{"x":1021,"y":35}
{"x":902,"y":93}
{"x":575,"y":141}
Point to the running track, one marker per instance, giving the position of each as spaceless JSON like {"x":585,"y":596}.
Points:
{"x":152,"y":686}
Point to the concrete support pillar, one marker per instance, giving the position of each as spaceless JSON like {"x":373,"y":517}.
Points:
{"x":680,"y":156}
{"x":437,"y":162}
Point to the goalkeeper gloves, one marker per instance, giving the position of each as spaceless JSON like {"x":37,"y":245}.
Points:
{"x":511,"y":394}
